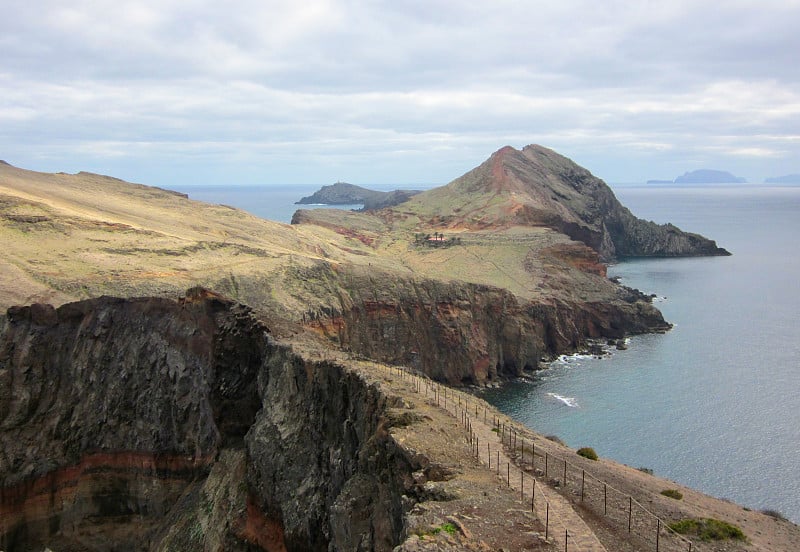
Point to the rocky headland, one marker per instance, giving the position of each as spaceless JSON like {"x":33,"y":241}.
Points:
{"x":183,"y":424}
{"x":263,"y":410}
{"x":514,"y":291}
{"x":342,"y":193}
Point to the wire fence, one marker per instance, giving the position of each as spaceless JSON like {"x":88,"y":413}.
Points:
{"x":526,"y":467}
{"x":592,"y":493}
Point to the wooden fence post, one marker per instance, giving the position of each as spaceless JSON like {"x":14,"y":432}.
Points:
{"x":547,"y":522}
{"x":583,"y":482}
{"x":630,"y":512}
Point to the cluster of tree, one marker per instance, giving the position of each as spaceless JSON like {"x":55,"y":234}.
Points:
{"x":437,"y":239}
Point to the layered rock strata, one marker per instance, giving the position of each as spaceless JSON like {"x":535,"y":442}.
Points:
{"x":468,"y":334}
{"x":152,"y":424}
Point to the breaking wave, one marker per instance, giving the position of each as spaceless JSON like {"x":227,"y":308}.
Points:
{"x":569,"y":401}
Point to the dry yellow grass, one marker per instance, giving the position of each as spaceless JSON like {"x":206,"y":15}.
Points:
{"x":68,"y":237}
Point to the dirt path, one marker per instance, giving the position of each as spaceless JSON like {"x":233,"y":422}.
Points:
{"x":563,"y":525}
{"x":582,"y":505}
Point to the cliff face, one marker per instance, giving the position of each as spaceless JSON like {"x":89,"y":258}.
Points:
{"x":465,"y":334}
{"x":150,"y":424}
{"x":545,"y":188}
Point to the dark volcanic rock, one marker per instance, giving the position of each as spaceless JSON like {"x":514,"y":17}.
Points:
{"x":151,"y":424}
{"x":465,"y":334}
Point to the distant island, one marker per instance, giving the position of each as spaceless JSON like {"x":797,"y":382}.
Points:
{"x":342,"y":193}
{"x":786,"y":179}
{"x":709,"y":176}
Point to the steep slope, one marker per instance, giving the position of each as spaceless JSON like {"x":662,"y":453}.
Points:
{"x":161,"y":425}
{"x":538,"y":187}
{"x":115,"y":413}
{"x":353,"y":278}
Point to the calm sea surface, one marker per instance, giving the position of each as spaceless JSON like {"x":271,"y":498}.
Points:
{"x":715,"y":402}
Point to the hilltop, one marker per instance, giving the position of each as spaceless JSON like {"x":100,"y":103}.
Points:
{"x":351,"y":280}
{"x":342,"y":193}
{"x":538,"y":188}
{"x":276,"y":404}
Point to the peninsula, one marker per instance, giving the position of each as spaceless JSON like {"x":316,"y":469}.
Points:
{"x":295,"y":397}
{"x":342,"y":193}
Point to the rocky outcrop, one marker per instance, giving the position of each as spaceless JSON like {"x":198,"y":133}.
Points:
{"x":152,"y":424}
{"x":469,"y":334}
{"x":545,"y":188}
{"x":343,"y":193}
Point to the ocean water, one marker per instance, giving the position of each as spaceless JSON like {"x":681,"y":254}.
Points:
{"x":715,"y":402}
{"x":274,"y":202}
{"x":270,"y":202}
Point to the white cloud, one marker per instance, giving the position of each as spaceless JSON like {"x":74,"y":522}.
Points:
{"x":406,"y":90}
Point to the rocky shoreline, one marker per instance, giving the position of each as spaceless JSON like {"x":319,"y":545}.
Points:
{"x":245,"y":443}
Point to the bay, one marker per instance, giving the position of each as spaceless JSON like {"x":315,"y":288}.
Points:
{"x":269,"y":202}
{"x":715,"y":402}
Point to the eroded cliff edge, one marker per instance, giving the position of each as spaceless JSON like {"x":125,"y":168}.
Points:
{"x":463,"y":333}
{"x":153,"y":424}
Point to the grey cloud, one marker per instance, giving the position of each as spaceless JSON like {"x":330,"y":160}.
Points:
{"x":411,"y":89}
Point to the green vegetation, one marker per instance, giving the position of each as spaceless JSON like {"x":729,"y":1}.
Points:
{"x":648,"y":471}
{"x":555,"y":439}
{"x":672,"y":493}
{"x":587,"y":452}
{"x":708,"y":529}
{"x":448,"y":528}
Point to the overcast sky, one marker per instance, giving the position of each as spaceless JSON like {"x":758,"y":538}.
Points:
{"x":171,"y":92}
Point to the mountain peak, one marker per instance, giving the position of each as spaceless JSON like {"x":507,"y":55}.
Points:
{"x":536,"y":186}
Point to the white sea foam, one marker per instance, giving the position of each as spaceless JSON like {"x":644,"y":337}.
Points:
{"x":569,"y":401}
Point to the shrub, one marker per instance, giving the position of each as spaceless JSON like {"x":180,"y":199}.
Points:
{"x":708,"y":529}
{"x":587,"y":452}
{"x":448,"y":528}
{"x":672,"y":493}
{"x":648,"y":471}
{"x":774,"y":514}
{"x":555,"y":439}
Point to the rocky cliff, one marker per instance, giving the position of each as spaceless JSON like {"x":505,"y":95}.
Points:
{"x":516,"y":273}
{"x":542,"y":187}
{"x":152,"y":424}
{"x":468,"y":334}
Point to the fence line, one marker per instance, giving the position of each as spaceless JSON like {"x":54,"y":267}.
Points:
{"x":439,"y":393}
{"x":648,"y":526}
